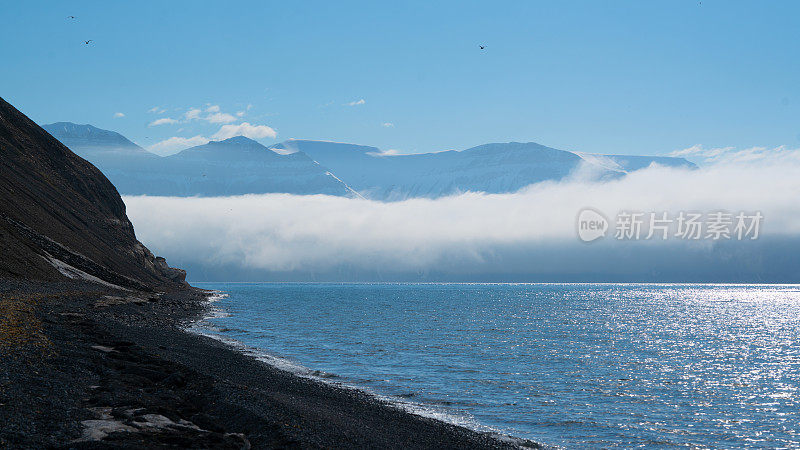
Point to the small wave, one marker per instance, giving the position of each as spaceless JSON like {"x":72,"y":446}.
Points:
{"x":321,"y":374}
{"x":216,"y":296}
{"x":203,"y":327}
{"x":233,"y":330}
{"x":212,"y":311}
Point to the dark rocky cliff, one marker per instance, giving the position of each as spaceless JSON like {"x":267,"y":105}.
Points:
{"x":61,"y":217}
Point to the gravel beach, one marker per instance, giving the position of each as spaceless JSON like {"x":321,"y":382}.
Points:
{"x":89,"y":367}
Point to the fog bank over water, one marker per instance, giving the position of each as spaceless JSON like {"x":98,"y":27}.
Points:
{"x":526,"y":236}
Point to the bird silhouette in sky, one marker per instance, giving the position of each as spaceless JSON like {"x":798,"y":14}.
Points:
{"x":483,"y":47}
{"x":87,"y":42}
{"x":70,"y":17}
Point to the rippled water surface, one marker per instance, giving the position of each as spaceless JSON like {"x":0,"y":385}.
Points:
{"x":571,"y":365}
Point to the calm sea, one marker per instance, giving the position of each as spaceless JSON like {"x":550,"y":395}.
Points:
{"x":575,"y":365}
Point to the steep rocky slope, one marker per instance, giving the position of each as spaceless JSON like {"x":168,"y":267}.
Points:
{"x":60,"y":216}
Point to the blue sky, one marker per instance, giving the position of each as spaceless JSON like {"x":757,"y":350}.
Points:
{"x":608,"y":77}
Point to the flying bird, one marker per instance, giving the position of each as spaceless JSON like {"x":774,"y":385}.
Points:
{"x":70,"y":17}
{"x":87,"y":42}
{"x":483,"y":47}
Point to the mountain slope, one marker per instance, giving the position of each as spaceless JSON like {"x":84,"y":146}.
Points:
{"x":59,"y":215}
{"x":631,"y":163}
{"x":92,"y":140}
{"x":240,"y":165}
{"x":126,"y":164}
{"x":234,"y":166}
{"x":491,"y":168}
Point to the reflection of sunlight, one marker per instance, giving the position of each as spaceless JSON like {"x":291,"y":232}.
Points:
{"x":722,"y":362}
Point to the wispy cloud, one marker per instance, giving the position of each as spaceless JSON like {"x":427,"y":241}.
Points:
{"x":162,"y":121}
{"x":387,"y":152}
{"x":357,"y":102}
{"x":387,"y":125}
{"x":731,"y":155}
{"x":118,"y":115}
{"x":211,"y":114}
{"x":193,"y":114}
{"x":219,"y":117}
{"x":156,"y":110}
{"x":245,"y":129}
{"x":175,"y":144}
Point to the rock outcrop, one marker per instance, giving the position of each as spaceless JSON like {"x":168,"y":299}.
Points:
{"x":61,"y":217}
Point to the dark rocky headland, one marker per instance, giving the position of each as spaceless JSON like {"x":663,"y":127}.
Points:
{"x":92,"y":347}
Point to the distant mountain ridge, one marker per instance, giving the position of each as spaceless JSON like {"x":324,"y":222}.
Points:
{"x":233,"y":166}
{"x":240,"y":165}
{"x":491,"y":168}
{"x":90,"y":141}
{"x":87,"y":135}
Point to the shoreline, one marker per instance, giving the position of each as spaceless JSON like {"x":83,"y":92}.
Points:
{"x":279,"y":362}
{"x":119,"y":370}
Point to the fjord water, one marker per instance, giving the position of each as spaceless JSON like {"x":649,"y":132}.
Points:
{"x":576,"y":365}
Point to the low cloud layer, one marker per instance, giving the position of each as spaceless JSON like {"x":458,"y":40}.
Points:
{"x":525,"y":236}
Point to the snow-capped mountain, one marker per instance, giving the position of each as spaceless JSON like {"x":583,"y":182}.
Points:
{"x":92,"y":141}
{"x":491,"y":168}
{"x":243,"y":166}
{"x":240,"y":165}
{"x":129,"y":167}
{"x":231,"y":167}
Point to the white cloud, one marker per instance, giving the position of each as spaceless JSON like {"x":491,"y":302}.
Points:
{"x":387,"y":152}
{"x":119,"y":115}
{"x":534,"y":228}
{"x":175,"y":144}
{"x":244,"y":129}
{"x":239,"y":113}
{"x":219,"y":117}
{"x":387,"y":125}
{"x":728,"y":155}
{"x":212,"y":115}
{"x":162,"y":121}
{"x":357,"y":102}
{"x":156,"y":110}
{"x":193,"y":114}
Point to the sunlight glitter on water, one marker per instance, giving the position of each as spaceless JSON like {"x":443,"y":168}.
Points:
{"x":573,"y":365}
